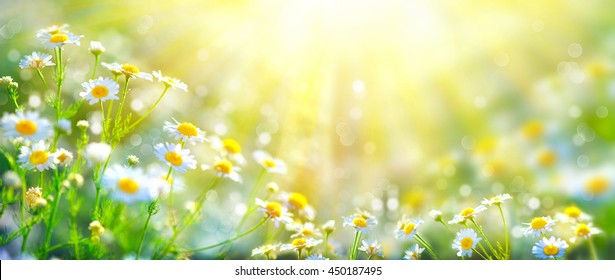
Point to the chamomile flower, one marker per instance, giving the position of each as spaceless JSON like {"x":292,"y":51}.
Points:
{"x":224,"y":169}
{"x":298,"y":244}
{"x":406,"y":229}
{"x":414,"y":253}
{"x":573,"y":214}
{"x":266,"y":250}
{"x":274,"y":211}
{"x":360,"y":222}
{"x":550,"y":248}
{"x":329,"y":226}
{"x":132,"y":71}
{"x":114,"y":67}
{"x":96,"y":48}
{"x":272,"y":165}
{"x":36,"y":61}
{"x":306,"y":230}
{"x":496,"y":200}
{"x":175,"y":157}
{"x":127,"y":185}
{"x":97,"y":152}
{"x":538,"y":226}
{"x":465,"y":242}
{"x":5,"y":80}
{"x":63,"y":156}
{"x":298,"y":203}
{"x":314,"y":257}
{"x":371,"y":247}
{"x":228,"y":147}
{"x":37,"y":157}
{"x":32,"y":195}
{"x":170,"y":82}
{"x":101,"y":89}
{"x":54,"y":29}
{"x":185,"y":131}
{"x":436,"y":215}
{"x":59,"y":39}
{"x":467,"y":214}
{"x":26,"y":125}
{"x":585,"y":230}
{"x":65,"y":126}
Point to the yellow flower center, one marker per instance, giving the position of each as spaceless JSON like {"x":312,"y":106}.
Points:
{"x":128,"y":185}
{"x":62,"y":157}
{"x":174,"y":158}
{"x":467,"y":212}
{"x":188,"y":129}
{"x":231,"y":146}
{"x":129,"y":68}
{"x":538,"y":223}
{"x":597,"y":185}
{"x":359,"y":222}
{"x":409,"y":228}
{"x":269,"y":163}
{"x":37,"y":63}
{"x":466,"y":243}
{"x":550,"y":250}
{"x":547,"y":158}
{"x":572,"y":212}
{"x":26,"y":127}
{"x":100,"y":91}
{"x":533,"y":129}
{"x":224,"y":166}
{"x":583,"y":230}
{"x":38,"y":157}
{"x":299,"y":243}
{"x":58,"y":38}
{"x":307,"y":232}
{"x":274,"y":209}
{"x":298,"y":200}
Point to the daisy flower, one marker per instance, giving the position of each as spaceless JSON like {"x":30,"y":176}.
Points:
{"x":54,"y":29}
{"x":585,"y":230}
{"x":275,"y":211}
{"x":465,"y":242}
{"x":306,"y":230}
{"x":360,"y":222}
{"x":436,"y":215}
{"x":32,"y":195}
{"x":228,"y":147}
{"x":314,"y":257}
{"x":371,"y":248}
{"x":301,"y":243}
{"x":414,"y":253}
{"x":573,"y":214}
{"x":63,"y":156}
{"x":36,"y":61}
{"x":26,"y":125}
{"x":329,"y":226}
{"x":266,"y":250}
{"x":298,"y":202}
{"x":185,"y":132}
{"x":101,"y":89}
{"x":132,"y":71}
{"x":38,"y":157}
{"x":224,"y":169}
{"x":550,"y":248}
{"x":407,"y":228}
{"x":59,"y":39}
{"x":96,"y":48}
{"x":175,"y":157}
{"x":496,"y":200}
{"x":272,"y":165}
{"x":538,"y":226}
{"x":127,"y":185}
{"x":114,"y":67}
{"x":97,"y":152}
{"x":467,"y":214}
{"x":170,"y":82}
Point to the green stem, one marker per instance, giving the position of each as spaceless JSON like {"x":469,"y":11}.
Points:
{"x":96,"y":60}
{"x":355,"y":245}
{"x":446,"y":227}
{"x":122,"y":100}
{"x":493,"y":251}
{"x":149,"y":216}
{"x":59,"y":80}
{"x":230,"y":239}
{"x":326,"y":245}
{"x":507,"y":248}
{"x":102,"y":111}
{"x":430,"y":250}
{"x":40,"y":75}
{"x":51,"y":225}
{"x":151,"y":109}
{"x":299,"y":254}
{"x":592,"y":248}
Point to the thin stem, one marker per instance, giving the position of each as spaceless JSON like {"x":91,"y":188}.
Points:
{"x":430,"y":250}
{"x":592,"y":248}
{"x":50,"y":225}
{"x":446,"y":227}
{"x":96,"y":59}
{"x":230,"y":239}
{"x":299,"y":254}
{"x":481,"y":255}
{"x":507,"y":248}
{"x":326,"y":245}
{"x":102,"y":111}
{"x":59,"y":80}
{"x":149,"y":216}
{"x":40,"y":75}
{"x":122,"y":100}
{"x":493,"y":251}
{"x":355,"y":245}
{"x":151,"y":109}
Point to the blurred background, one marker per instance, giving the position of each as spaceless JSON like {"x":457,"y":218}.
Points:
{"x":395,"y":108}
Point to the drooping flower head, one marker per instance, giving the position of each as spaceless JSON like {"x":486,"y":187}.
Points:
{"x":170,"y":82}
{"x":132,"y":71}
{"x":96,"y":48}
{"x":496,"y":200}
